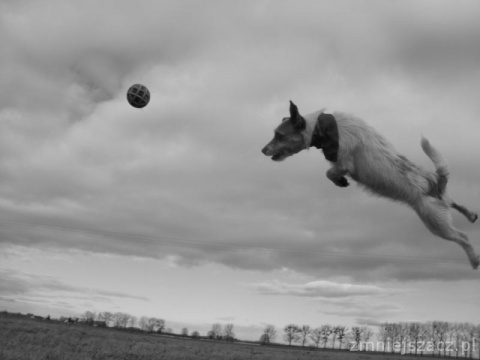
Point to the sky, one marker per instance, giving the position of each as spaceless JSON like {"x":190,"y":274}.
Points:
{"x":172,"y":211}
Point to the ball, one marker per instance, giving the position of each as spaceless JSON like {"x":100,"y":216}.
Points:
{"x":138,"y":96}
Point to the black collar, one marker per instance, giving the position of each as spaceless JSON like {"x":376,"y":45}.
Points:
{"x":325,"y":136}
{"x":317,"y":138}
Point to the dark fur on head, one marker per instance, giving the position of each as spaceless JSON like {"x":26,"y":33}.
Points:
{"x":288,"y":139}
{"x":297,"y":120}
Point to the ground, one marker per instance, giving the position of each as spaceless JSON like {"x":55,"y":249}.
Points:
{"x":23,"y":338}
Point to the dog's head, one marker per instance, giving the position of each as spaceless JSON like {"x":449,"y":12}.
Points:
{"x":288,"y":138}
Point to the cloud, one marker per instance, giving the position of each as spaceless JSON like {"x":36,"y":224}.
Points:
{"x":320,"y":288}
{"x":36,"y":288}
{"x":367,"y":304}
{"x":437,"y":44}
{"x":367,"y":322}
{"x":366,"y":310}
{"x":184,"y":178}
{"x":226,"y":318}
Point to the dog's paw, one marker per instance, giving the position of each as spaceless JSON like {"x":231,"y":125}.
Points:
{"x":473,"y":217}
{"x":475,"y":262}
{"x":342,"y":182}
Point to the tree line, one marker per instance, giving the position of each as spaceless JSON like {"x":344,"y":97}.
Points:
{"x":325,"y":336}
{"x":434,"y":338}
{"x":440,"y":338}
{"x":121,"y":320}
{"x":219,"y":332}
{"x":447,"y":339}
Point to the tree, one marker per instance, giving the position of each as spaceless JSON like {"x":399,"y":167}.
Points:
{"x":438,"y":332}
{"x":356,"y":333}
{"x":184,"y":331}
{"x":442,"y":331}
{"x":88,"y":317}
{"x":471,"y":333}
{"x":150,"y":325}
{"x":304,"y":333}
{"x":433,"y":337}
{"x":216,"y":332}
{"x":342,"y":332}
{"x":335,"y":330}
{"x":105,"y":316}
{"x":316,"y":336}
{"x":263,"y":339}
{"x":195,"y":335}
{"x":383,"y":335}
{"x":396,"y":335}
{"x":367,"y":333}
{"x":326,"y":331}
{"x":414,"y":334}
{"x":455,"y":337}
{"x":153,"y":325}
{"x":291,"y":333}
{"x":143,"y":323}
{"x":268,"y":335}
{"x":132,"y":321}
{"x":228,"y":334}
{"x":399,"y":332}
{"x":121,"y":320}
{"x":159,"y":326}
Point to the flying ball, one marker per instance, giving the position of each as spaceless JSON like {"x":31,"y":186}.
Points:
{"x":138,"y":96}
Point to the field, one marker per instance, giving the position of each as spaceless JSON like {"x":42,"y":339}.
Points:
{"x":22,"y":338}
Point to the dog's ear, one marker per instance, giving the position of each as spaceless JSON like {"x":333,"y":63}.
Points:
{"x":293,"y":109}
{"x":298,"y":121}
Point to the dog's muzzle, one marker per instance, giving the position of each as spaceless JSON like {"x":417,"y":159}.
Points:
{"x":275,"y":156}
{"x":267,"y":151}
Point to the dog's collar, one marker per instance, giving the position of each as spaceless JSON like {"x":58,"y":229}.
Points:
{"x":325,"y":136}
{"x":317,"y":138}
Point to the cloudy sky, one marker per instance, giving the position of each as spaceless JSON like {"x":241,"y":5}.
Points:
{"x":172,"y":211}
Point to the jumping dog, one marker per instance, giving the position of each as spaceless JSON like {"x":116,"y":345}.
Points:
{"x":357,"y":150}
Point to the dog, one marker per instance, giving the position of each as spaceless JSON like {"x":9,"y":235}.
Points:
{"x":357,"y":150}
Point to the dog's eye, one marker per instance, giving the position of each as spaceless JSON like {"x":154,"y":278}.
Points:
{"x":278,"y":136}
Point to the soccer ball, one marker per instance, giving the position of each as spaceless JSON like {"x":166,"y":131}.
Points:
{"x":138,"y":96}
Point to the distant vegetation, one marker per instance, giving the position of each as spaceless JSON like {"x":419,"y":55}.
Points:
{"x":434,"y":338}
{"x":116,"y":336}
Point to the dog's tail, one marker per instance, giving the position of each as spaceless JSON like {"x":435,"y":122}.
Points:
{"x":439,"y":162}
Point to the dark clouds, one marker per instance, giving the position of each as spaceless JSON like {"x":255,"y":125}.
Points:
{"x":438,"y":39}
{"x":32,"y":288}
{"x":185,"y":177}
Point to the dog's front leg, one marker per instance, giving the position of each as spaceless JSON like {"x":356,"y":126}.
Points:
{"x":337,"y":176}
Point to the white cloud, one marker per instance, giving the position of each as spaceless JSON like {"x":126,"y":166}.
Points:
{"x":373,"y":310}
{"x":321,"y":289}
{"x":363,"y":303}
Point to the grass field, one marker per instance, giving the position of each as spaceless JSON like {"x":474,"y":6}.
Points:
{"x":23,"y":338}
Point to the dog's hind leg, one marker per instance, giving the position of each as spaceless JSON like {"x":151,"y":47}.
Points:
{"x":434,"y":214}
{"x":337,"y":176}
{"x":470,"y":215}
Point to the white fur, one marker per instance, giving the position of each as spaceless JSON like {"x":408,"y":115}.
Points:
{"x":368,"y":158}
